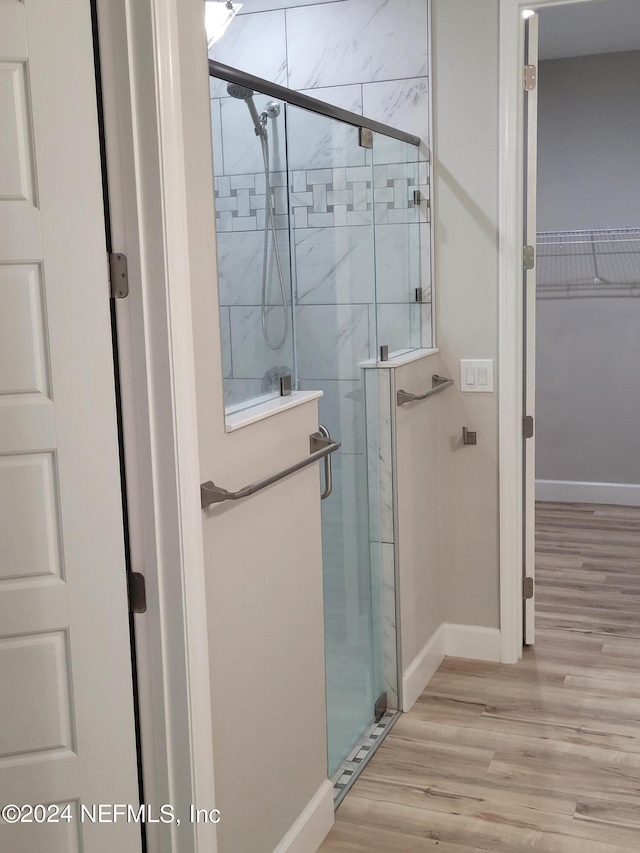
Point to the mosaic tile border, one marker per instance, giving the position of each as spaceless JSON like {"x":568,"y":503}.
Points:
{"x":361,"y":754}
{"x":325,"y":198}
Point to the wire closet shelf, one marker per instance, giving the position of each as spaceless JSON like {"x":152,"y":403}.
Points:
{"x":588,"y":264}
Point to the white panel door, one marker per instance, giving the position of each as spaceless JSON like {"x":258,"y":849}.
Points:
{"x":66,"y":705}
{"x":529,"y":301}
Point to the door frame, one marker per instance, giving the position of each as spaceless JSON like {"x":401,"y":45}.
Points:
{"x":511,"y":317}
{"x":150,"y":51}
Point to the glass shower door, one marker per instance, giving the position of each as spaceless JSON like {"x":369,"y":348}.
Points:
{"x":332,"y":240}
{"x":252,"y":234}
{"x":401,"y":298}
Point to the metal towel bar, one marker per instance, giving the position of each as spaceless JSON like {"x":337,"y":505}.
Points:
{"x":439,"y":384}
{"x":328,"y":467}
{"x":321,"y":447}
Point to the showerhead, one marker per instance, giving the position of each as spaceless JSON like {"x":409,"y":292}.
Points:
{"x":238,"y":91}
{"x":243,"y":93}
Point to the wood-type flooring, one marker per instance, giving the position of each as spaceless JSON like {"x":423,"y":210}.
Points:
{"x":542,"y":756}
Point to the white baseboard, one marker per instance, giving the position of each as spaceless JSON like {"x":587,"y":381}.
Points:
{"x":573,"y":491}
{"x":313,"y":825}
{"x":473,"y":642}
{"x":422,"y":668}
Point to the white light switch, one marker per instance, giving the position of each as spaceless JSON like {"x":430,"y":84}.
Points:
{"x":476,"y":375}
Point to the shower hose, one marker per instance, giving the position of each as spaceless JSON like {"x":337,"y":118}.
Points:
{"x":270,"y":226}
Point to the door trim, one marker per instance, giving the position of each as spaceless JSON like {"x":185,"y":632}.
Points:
{"x":510,"y":317}
{"x":146,"y":74}
{"x":118,"y":403}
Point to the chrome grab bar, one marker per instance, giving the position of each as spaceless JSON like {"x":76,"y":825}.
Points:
{"x":439,"y":384}
{"x":321,"y":446}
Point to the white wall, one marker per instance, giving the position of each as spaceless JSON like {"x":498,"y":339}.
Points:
{"x":588,"y":349}
{"x":418,"y":517}
{"x":428,"y":630}
{"x":588,"y":390}
{"x":465,"y":84}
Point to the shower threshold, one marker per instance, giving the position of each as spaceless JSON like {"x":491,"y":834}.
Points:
{"x":361,"y":754}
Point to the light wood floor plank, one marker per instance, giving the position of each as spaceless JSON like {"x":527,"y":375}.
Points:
{"x":543,"y":756}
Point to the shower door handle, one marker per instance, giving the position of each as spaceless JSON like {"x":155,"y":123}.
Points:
{"x":328,"y":465}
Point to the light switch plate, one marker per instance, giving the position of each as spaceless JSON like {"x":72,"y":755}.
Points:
{"x":476,"y":375}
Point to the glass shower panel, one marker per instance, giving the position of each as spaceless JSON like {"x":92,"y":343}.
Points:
{"x":396,"y":180}
{"x":331,"y":182}
{"x":252,"y":234}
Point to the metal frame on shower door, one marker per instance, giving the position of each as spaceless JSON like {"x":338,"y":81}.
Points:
{"x":305,"y":102}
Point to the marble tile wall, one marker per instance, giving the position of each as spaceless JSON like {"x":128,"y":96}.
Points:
{"x":339,"y":259}
{"x":367,"y":56}
{"x":386,"y":577}
{"x":324,"y":196}
{"x":356,"y":41}
{"x":378,"y":403}
{"x":241,"y":201}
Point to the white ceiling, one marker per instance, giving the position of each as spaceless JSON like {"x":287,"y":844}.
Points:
{"x":578,"y":29}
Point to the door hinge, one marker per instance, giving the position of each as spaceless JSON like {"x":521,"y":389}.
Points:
{"x":118,"y":275}
{"x":286,"y":386}
{"x":137,"y":592}
{"x":527,"y":426}
{"x":529,"y":257}
{"x":530,"y":77}
{"x":527,"y":588}
{"x":381,"y":707}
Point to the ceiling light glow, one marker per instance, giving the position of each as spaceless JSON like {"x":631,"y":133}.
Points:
{"x":218,"y":14}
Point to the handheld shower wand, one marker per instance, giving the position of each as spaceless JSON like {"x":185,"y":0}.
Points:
{"x":272,"y":110}
{"x":246,"y":95}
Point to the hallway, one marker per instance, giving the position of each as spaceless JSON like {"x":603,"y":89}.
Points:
{"x":542,"y":756}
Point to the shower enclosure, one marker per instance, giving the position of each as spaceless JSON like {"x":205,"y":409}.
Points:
{"x":323,"y":255}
